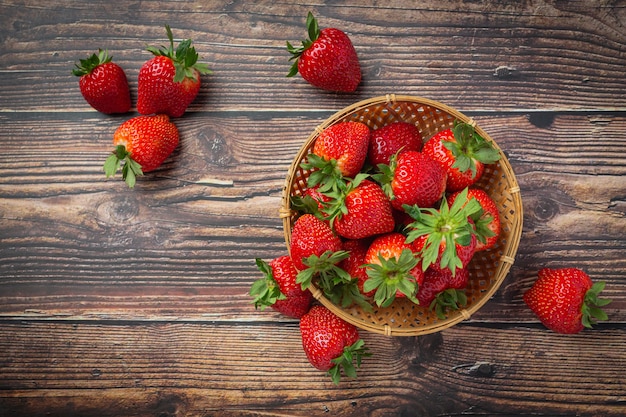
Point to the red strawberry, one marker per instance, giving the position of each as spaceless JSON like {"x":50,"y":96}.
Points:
{"x":462,"y":153}
{"x":441,"y":290}
{"x":393,"y":269}
{"x":392,"y":138}
{"x":330,"y":343}
{"x":143,"y":143}
{"x":565,"y":300}
{"x":339,"y":151}
{"x":354,"y":264}
{"x":311,"y":236}
{"x":278,"y":288}
{"x":412,"y":178}
{"x":445,"y":238}
{"x":361,"y":211}
{"x":170,"y":81}
{"x":486,"y":220}
{"x":327,"y":59}
{"x":103,"y":83}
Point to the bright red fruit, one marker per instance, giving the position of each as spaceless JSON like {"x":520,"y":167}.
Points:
{"x":311,"y":236}
{"x":391,"y":139}
{"x":142,"y":143}
{"x":103,"y":83}
{"x":170,"y":81}
{"x":330,"y":343}
{"x":462,"y":153}
{"x":412,"y":178}
{"x":354,"y":264}
{"x":327,"y":59}
{"x":278,"y":288}
{"x":393,"y":269}
{"x":486,"y":221}
{"x":441,"y":290}
{"x":565,"y":300}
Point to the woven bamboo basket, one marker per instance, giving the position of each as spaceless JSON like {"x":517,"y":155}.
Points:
{"x":487,"y":269}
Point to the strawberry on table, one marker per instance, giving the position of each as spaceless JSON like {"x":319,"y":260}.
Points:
{"x":170,"y":81}
{"x":486,"y":220}
{"x":142,"y":144}
{"x":412,"y":178}
{"x":103,"y":83}
{"x":278,"y":288}
{"x":393,"y":269}
{"x":462,"y":153}
{"x":339,"y":151}
{"x":327,"y":59}
{"x":391,"y":139}
{"x":444,"y":237}
{"x":566,"y":300}
{"x":330,"y":343}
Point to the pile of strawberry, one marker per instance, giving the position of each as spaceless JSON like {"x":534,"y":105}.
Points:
{"x":167,"y":84}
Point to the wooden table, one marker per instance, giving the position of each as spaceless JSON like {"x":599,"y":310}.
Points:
{"x":120,"y":302}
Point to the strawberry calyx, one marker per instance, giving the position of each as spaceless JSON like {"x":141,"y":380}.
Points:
{"x":184,"y":58}
{"x":391,"y":276}
{"x":351,"y":354}
{"x":313,"y":31}
{"x":325,"y":173}
{"x":265,"y":291}
{"x":591,"y":307}
{"x":469,"y":147}
{"x":385,"y":175}
{"x":131,"y":169}
{"x":447,"y":226}
{"x":85,"y":66}
{"x":336,"y":207}
{"x":450,"y":299}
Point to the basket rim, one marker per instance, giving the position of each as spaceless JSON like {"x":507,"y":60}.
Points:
{"x":508,"y":253}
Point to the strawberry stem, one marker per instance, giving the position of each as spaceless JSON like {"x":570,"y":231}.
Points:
{"x":591,"y":308}
{"x":469,"y":147}
{"x":85,"y":66}
{"x":265,"y":290}
{"x":131,"y":169}
{"x":313,"y":31}
{"x":390,"y":276}
{"x":351,"y":354}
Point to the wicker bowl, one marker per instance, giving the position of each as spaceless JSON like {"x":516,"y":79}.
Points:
{"x":487,"y":269}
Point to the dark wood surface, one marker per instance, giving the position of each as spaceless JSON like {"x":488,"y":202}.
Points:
{"x":119,"y":302}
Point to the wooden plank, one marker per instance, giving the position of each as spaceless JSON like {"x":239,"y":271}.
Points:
{"x":447,"y":51}
{"x":228,"y":369}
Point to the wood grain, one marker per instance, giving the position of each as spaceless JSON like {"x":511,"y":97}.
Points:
{"x":119,"y":302}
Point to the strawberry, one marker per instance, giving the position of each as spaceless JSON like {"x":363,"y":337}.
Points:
{"x":339,"y":151}
{"x":565,"y":300}
{"x":278,"y":288}
{"x":462,"y":153}
{"x":330,"y":343}
{"x":392,"y":268}
{"x":327,"y":59}
{"x":361,"y":210}
{"x":142,"y":143}
{"x":441,"y":290}
{"x":311,"y":236}
{"x":354,"y":264}
{"x":412,"y":178}
{"x":170,"y":81}
{"x":103,"y":83}
{"x":391,"y":139}
{"x":445,"y":238}
{"x":311,"y":201}
{"x":486,"y":220}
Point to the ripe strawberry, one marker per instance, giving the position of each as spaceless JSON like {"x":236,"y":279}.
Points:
{"x":486,"y":220}
{"x":441,"y":290}
{"x":565,"y":300}
{"x":445,"y":238}
{"x":391,"y":139}
{"x":311,"y":236}
{"x":361,"y":210}
{"x":412,"y":178}
{"x":278,"y":288}
{"x":339,"y":151}
{"x":103,"y":83}
{"x":393,"y":269}
{"x":170,"y":81}
{"x":330,"y":343}
{"x":142,"y":143}
{"x":354,"y":264}
{"x":462,"y":153}
{"x":327,"y":59}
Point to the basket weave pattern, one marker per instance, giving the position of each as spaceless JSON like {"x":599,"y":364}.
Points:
{"x":487,"y":269}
